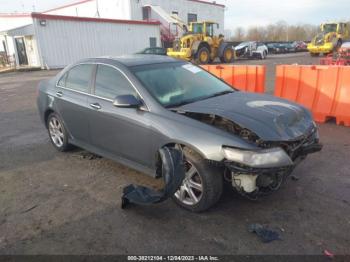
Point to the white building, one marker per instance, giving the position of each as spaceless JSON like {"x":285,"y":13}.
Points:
{"x":89,"y":28}
{"x":186,"y":10}
{"x":53,"y":41}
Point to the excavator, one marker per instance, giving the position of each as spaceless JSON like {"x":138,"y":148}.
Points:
{"x":198,"y":41}
{"x":329,"y":39}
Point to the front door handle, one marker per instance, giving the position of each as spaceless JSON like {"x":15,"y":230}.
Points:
{"x":96,"y":106}
{"x":59,"y":94}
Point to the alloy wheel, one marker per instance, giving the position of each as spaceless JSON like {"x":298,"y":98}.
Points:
{"x":191,"y":190}
{"x":56,"y":132}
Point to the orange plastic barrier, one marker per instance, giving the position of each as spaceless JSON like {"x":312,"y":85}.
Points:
{"x":250,"y":78}
{"x":325,"y":90}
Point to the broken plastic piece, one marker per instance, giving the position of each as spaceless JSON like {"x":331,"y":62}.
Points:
{"x":266,"y":235}
{"x":328,"y":253}
{"x":173,"y":172}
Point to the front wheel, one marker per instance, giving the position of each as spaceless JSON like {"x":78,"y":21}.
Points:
{"x":202,"y":186}
{"x":203,"y":56}
{"x":228,"y":55}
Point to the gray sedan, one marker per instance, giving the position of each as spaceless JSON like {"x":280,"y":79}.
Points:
{"x":127,"y":108}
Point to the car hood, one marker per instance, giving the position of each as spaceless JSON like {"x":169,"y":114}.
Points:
{"x":239,"y":47}
{"x":271,"y":118}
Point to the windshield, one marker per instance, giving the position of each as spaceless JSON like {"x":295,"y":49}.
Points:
{"x":327,"y":28}
{"x":175,"y":84}
{"x":197,"y":28}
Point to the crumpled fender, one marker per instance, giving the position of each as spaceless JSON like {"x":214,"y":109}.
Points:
{"x":173,"y":173}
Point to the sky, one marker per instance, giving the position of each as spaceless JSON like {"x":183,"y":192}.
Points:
{"x":243,"y":13}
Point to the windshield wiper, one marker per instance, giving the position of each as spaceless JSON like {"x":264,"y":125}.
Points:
{"x":199,"y":99}
{"x":182,"y":103}
{"x":219,"y":94}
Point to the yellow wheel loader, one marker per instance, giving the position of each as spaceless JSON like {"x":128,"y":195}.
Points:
{"x":201,"y":45}
{"x":329,"y":39}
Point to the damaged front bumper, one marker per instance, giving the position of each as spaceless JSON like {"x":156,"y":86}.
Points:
{"x":253,"y":182}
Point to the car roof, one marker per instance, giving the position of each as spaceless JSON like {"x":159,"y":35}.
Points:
{"x":346,"y":45}
{"x":133,"y":60}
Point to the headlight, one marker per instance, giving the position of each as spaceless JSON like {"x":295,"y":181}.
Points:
{"x":274,"y":157}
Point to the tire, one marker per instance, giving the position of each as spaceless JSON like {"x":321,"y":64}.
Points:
{"x":57,"y":133}
{"x":203,"y":56}
{"x":228,"y":55}
{"x":209,"y":177}
{"x":314,"y":54}
{"x":339,"y":44}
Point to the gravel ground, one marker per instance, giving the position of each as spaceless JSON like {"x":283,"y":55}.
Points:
{"x":68,"y":203}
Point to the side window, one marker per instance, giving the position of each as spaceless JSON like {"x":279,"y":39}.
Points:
{"x":152,"y":42}
{"x":159,"y":51}
{"x":111,"y":83}
{"x":191,"y":18}
{"x":78,"y":78}
{"x":62,"y":81}
{"x":148,"y":51}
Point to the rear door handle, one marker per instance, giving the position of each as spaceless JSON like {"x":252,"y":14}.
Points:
{"x":95,"y":106}
{"x":59,"y":94}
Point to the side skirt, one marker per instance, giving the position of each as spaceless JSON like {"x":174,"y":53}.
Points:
{"x":131,"y":164}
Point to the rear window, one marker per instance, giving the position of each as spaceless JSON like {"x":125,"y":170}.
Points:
{"x":78,"y":78}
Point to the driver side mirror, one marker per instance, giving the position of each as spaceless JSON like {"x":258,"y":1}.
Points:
{"x":127,"y":101}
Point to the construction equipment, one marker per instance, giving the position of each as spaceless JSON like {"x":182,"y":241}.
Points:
{"x":196,"y":42}
{"x":341,"y":57}
{"x":329,"y":39}
{"x":200,"y":44}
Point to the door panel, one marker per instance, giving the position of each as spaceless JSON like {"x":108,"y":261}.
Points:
{"x":72,"y":107}
{"x":72,"y":100}
{"x":124,"y":132}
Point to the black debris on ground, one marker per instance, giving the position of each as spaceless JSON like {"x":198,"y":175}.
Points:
{"x":264,"y":233}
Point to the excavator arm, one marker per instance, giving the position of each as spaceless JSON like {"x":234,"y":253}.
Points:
{"x":170,"y":19}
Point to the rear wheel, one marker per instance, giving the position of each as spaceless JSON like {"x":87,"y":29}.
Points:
{"x":203,"y":56}
{"x":228,"y":55}
{"x":57,"y":133}
{"x":202,"y":186}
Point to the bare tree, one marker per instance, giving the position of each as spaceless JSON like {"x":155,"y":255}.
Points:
{"x":238,"y":34}
{"x":279,"y":31}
